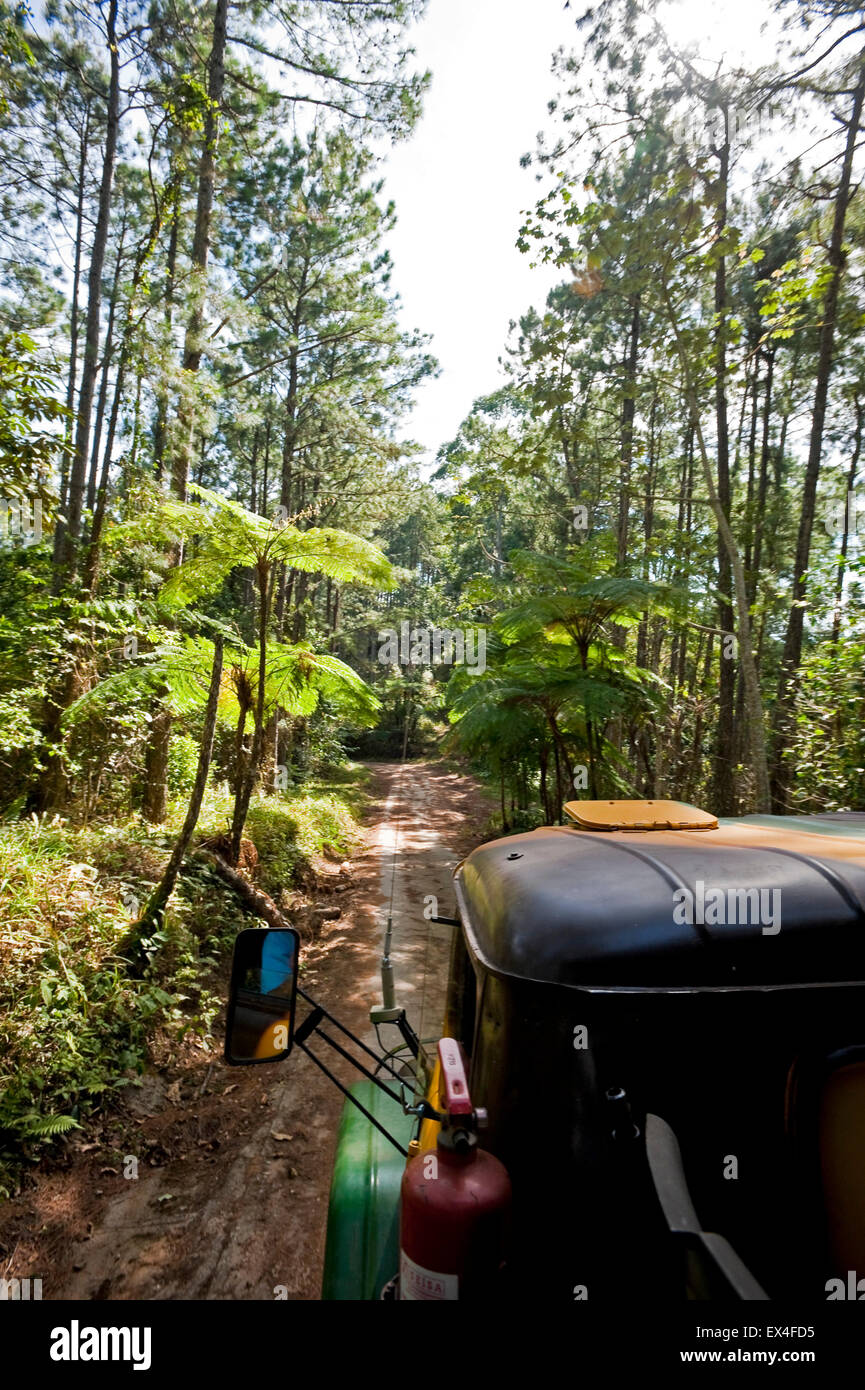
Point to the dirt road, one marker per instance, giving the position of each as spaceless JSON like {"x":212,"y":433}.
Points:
{"x":233,"y":1165}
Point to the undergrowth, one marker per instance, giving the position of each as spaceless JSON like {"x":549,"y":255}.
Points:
{"x":75,"y":1025}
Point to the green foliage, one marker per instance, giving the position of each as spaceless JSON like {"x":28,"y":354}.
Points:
{"x":75,"y":1026}
{"x":182,"y":764}
{"x":289,"y":832}
{"x":15,"y":52}
{"x":28,"y":450}
{"x":555,"y":679}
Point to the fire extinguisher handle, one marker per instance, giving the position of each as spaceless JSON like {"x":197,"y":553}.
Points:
{"x":456,"y":1087}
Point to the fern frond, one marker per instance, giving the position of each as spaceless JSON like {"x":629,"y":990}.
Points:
{"x":48,"y":1126}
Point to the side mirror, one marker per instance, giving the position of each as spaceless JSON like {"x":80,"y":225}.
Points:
{"x":260,"y":1024}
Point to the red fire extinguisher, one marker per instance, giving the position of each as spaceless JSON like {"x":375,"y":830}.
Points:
{"x":455,"y":1203}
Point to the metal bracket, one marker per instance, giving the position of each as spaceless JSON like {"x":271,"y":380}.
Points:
{"x":309,"y":1025}
{"x":312,"y":1025}
{"x":424,"y":1111}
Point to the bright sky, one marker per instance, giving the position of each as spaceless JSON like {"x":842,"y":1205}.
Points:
{"x":459,"y":189}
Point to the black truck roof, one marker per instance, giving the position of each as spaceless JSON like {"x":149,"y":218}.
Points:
{"x":760,"y":901}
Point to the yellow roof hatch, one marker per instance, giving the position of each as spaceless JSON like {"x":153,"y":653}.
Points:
{"x":638,"y":815}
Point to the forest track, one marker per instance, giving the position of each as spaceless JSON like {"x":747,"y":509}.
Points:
{"x":234,"y":1164}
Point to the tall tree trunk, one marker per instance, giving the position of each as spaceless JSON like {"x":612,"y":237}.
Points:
{"x":60,"y":528}
{"x":629,"y":405}
{"x":91,"y":565}
{"x":723,"y":789}
{"x":107,"y":354}
{"x":289,"y":442}
{"x":763,"y":485}
{"x":90,"y":365}
{"x":250,"y":773}
{"x":643,"y":658}
{"x":558,"y":766}
{"x":753,"y":697}
{"x":52,"y":786}
{"x":752,"y":488}
{"x":160,"y":428}
{"x":262,"y":505}
{"x":692,"y":783}
{"x":845,"y":537}
{"x":194,"y":339}
{"x":618,"y":633}
{"x":334,"y":622}
{"x":784,"y":705}
{"x":154,"y":803}
{"x":545,"y":794}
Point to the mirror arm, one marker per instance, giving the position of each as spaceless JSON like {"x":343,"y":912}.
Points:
{"x":370,"y":1076}
{"x":310,"y":1023}
{"x":347,"y":1093}
{"x":409,"y":1036}
{"x":306,"y":1028}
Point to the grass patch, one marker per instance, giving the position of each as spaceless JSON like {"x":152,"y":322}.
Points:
{"x":290,"y":832}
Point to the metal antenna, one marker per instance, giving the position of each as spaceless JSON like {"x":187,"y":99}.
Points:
{"x":388,"y":1011}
